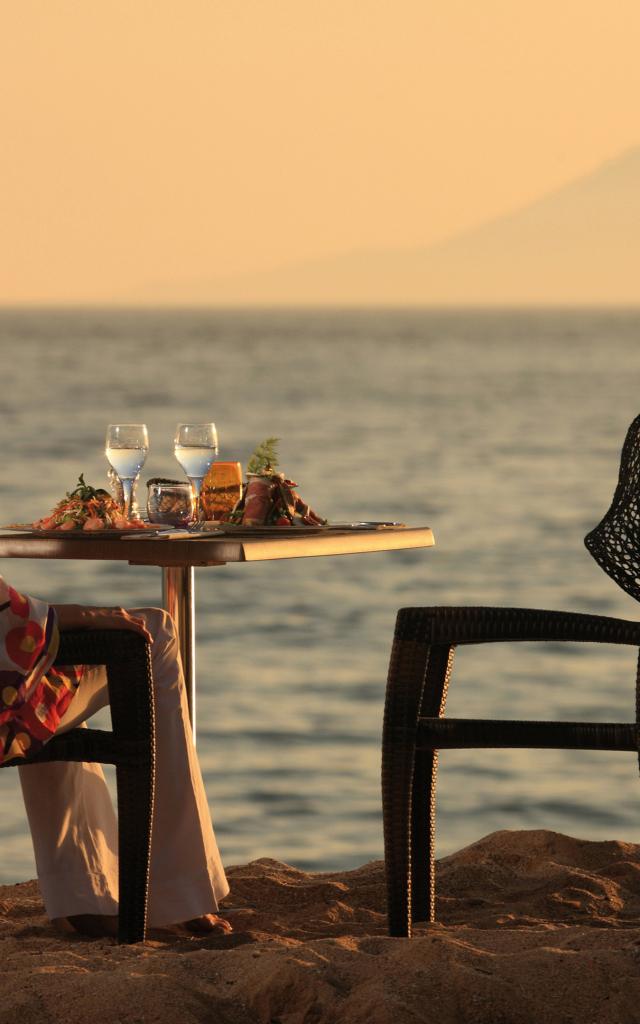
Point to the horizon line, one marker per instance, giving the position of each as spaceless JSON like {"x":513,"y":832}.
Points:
{"x":473,"y":307}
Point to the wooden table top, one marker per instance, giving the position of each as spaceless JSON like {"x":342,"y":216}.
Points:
{"x":204,"y":550}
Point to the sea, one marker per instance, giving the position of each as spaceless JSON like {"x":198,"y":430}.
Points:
{"x":499,"y":429}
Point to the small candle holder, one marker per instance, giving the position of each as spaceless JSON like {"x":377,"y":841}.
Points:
{"x":221,"y":490}
{"x":170,"y":502}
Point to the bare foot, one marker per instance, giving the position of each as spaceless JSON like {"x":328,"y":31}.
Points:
{"x":209,"y":924}
{"x":93,"y":925}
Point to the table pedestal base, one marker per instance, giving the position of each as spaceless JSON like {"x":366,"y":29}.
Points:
{"x":178,"y":598}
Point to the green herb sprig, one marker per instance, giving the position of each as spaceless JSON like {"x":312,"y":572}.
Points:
{"x":265,"y":457}
{"x":84,"y":491}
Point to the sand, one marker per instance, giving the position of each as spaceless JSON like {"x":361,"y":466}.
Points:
{"x":533,"y":927}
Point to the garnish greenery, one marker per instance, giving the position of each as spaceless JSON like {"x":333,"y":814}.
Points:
{"x":265,"y":457}
{"x":84,"y":491}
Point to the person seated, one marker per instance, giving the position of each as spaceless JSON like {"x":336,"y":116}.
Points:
{"x":73,"y":823}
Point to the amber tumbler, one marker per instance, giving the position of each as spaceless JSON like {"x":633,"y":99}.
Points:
{"x":221,"y":490}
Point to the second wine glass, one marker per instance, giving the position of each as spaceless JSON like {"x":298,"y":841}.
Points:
{"x":195,"y":447}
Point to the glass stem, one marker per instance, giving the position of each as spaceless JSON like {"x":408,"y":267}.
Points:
{"x":127,"y":488}
{"x":196,"y":484}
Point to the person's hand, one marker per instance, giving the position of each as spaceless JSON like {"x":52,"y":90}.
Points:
{"x":77,"y":616}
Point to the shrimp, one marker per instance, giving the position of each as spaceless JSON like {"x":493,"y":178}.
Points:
{"x":93,"y":524}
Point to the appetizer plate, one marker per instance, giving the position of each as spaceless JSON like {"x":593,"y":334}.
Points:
{"x":81,"y":534}
{"x":287,"y":531}
{"x":264,"y":531}
{"x":366,"y":526}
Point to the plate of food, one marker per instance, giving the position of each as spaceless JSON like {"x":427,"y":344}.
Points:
{"x":271,"y":505}
{"x":270,"y":502}
{"x":85,"y":512}
{"x":289,"y":529}
{"x":368,"y":526}
{"x":237,"y":529}
{"x":145,"y":530}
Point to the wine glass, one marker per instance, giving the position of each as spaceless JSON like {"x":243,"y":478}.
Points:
{"x":126,"y":448}
{"x":195,"y":448}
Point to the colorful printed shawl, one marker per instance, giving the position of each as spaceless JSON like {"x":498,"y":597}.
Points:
{"x":33,"y":694}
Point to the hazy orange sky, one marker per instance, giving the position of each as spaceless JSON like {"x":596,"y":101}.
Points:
{"x":149,"y":141}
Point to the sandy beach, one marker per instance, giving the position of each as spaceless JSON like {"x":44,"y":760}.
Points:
{"x":533,"y":926}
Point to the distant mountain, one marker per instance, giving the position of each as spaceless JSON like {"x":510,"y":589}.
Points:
{"x":578,"y":244}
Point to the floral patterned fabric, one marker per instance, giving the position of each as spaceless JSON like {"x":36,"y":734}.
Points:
{"x":33,"y":695}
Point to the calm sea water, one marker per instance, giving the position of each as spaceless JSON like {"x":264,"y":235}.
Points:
{"x":500,"y":430}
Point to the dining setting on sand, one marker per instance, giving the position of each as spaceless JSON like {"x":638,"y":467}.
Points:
{"x":367,"y":944}
{"x":75,"y":660}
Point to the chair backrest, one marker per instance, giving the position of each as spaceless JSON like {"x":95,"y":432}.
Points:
{"x":615,"y":541}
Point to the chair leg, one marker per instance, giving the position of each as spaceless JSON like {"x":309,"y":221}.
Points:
{"x":404,"y":696}
{"x":396,"y":810}
{"x":423,"y":836}
{"x":423,"y":802}
{"x":135,"y":788}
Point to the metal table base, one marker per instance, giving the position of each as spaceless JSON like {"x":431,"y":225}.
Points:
{"x":178,"y":598}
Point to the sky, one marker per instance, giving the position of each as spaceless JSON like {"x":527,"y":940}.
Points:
{"x":147,"y":142}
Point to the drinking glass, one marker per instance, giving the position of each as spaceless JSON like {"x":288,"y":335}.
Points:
{"x":221,"y":489}
{"x":126,"y":448}
{"x":195,"y":447}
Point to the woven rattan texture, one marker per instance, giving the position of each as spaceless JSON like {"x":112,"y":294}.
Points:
{"x":477,"y":625}
{"x":615,"y":542}
{"x":414,"y":728}
{"x":130,"y":746}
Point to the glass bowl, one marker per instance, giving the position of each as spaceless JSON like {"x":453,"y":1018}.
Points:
{"x":170,"y":502}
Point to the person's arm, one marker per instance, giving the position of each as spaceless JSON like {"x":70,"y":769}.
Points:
{"x":28,"y":646}
{"x":28,"y":636}
{"x":77,"y":616}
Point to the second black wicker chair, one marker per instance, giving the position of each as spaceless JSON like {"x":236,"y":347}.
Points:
{"x":419,"y":673}
{"x":130,"y":746}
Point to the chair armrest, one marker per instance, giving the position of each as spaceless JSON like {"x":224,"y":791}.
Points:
{"x":470,"y":625}
{"x":127,"y":658}
{"x":98,"y":646}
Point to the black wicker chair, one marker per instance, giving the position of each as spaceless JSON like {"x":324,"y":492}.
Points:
{"x":419,"y":672}
{"x":130,"y":746}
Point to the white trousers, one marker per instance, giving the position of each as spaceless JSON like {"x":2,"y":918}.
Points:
{"x":74,"y":827}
